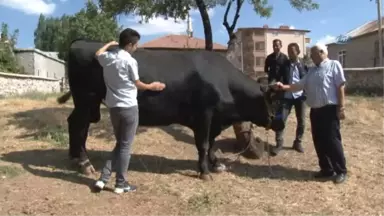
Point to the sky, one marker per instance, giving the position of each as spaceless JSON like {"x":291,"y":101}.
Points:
{"x":333,"y":18}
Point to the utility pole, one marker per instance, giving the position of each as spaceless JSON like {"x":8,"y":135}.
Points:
{"x":380,"y":32}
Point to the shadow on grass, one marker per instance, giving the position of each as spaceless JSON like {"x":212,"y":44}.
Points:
{"x":51,"y":124}
{"x":53,"y":163}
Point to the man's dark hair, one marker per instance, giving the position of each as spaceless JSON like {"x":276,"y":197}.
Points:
{"x":128,"y":36}
{"x":296,"y":47}
{"x":277,"y":40}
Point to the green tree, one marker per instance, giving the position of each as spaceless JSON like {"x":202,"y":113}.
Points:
{"x":56,"y":34}
{"x":8,"y":42}
{"x":179,"y":9}
{"x":168,"y":8}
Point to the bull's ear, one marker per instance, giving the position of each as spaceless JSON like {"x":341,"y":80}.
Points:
{"x":264,"y":88}
{"x":263,"y":80}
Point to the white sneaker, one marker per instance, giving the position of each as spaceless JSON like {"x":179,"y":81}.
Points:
{"x":100,"y":184}
{"x":127,"y":188}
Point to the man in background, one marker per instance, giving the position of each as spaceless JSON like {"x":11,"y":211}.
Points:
{"x":275,"y":62}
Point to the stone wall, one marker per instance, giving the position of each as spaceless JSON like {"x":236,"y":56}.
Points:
{"x":364,"y":80}
{"x":15,"y":84}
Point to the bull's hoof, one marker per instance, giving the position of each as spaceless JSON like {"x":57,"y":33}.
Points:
{"x":219,"y":168}
{"x":206,"y":177}
{"x":87,"y":168}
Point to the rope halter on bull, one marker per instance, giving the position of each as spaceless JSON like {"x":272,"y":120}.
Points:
{"x":271,"y":116}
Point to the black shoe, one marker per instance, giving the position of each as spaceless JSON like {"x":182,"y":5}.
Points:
{"x":323,"y":175}
{"x":126,"y":188}
{"x":276,"y":150}
{"x":298,"y":147}
{"x":340,"y":178}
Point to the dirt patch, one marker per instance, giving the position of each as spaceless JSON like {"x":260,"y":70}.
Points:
{"x":163,"y":165}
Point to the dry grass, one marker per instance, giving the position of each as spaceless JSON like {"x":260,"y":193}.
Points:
{"x":163,"y":166}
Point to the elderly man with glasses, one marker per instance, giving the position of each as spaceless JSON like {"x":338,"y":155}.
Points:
{"x":324,"y":87}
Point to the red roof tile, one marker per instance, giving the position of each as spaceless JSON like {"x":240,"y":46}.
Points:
{"x":180,"y":42}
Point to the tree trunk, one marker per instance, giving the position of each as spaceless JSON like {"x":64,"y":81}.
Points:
{"x":206,"y":23}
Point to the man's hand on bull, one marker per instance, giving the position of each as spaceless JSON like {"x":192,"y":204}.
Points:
{"x":277,"y":86}
{"x":156,"y":86}
{"x":113,"y":43}
{"x":105,"y":47}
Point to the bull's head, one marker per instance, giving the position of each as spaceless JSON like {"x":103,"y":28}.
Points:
{"x":272,"y":99}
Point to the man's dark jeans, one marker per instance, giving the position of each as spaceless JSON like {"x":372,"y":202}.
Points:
{"x":285,"y":110}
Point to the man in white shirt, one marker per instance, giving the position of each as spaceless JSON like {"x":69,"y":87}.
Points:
{"x":122,"y":80}
{"x":324,"y":85}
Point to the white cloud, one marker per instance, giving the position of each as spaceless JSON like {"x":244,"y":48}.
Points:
{"x":327,"y":39}
{"x":291,"y":27}
{"x":160,"y":25}
{"x":323,"y":21}
{"x":31,"y":7}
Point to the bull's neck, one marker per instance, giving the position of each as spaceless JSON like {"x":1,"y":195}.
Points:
{"x":247,"y":95}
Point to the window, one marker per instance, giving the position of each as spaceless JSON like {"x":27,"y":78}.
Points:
{"x":275,"y":33}
{"x":342,"y":57}
{"x":260,"y":61}
{"x":260,"y":46}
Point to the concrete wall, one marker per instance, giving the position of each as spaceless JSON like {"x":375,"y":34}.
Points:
{"x":364,"y":80}
{"x":360,"y":52}
{"x":15,"y":84}
{"x":39,"y":63}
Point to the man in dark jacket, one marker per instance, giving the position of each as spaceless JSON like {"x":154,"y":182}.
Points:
{"x":275,"y":62}
{"x":292,"y":71}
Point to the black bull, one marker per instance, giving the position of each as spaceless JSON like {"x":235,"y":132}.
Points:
{"x":204,"y":92}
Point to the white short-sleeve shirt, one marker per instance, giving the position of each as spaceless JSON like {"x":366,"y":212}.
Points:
{"x":120,"y":72}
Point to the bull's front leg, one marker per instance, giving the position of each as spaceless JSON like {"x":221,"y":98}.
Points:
{"x":201,"y":132}
{"x":215,"y":131}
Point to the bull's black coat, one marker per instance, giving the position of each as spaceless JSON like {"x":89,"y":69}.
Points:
{"x":204,"y":92}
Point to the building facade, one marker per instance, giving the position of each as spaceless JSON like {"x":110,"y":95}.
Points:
{"x":360,"y":47}
{"x":38,"y":63}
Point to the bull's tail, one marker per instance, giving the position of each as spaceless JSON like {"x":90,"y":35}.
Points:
{"x":64,"y":98}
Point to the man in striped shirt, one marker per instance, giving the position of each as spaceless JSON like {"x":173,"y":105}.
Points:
{"x":324,"y":86}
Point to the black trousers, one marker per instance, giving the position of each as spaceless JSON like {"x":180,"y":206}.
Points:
{"x":326,"y":136}
{"x":285,"y":110}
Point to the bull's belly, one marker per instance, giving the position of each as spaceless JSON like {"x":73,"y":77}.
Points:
{"x":157,"y":116}
{"x":151,"y":118}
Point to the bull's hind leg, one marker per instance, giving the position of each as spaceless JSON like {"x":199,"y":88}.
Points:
{"x":201,"y":132}
{"x":78,"y":125}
